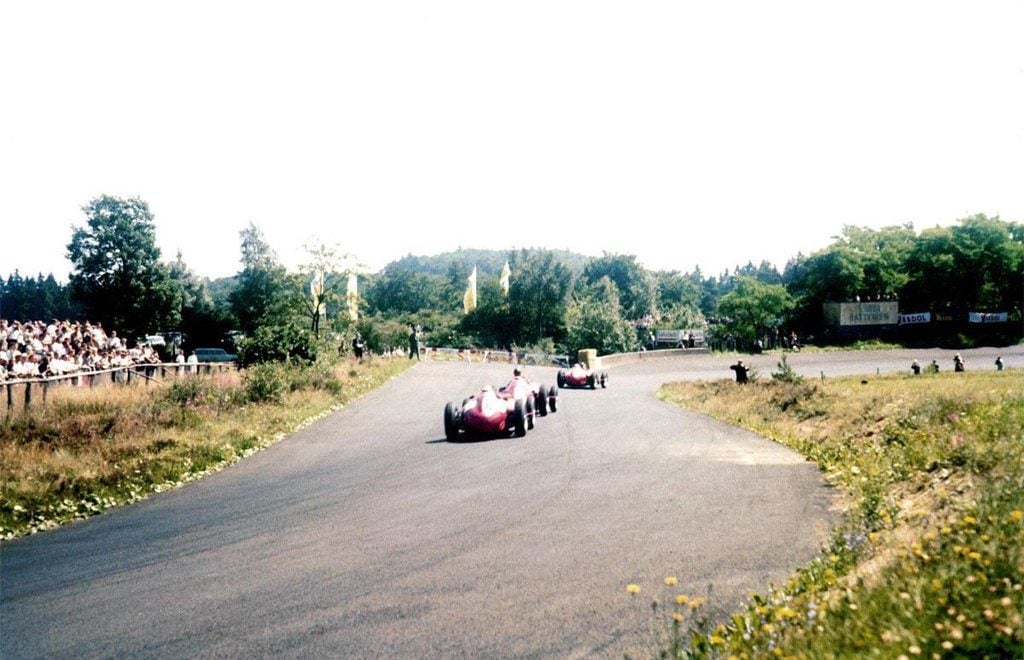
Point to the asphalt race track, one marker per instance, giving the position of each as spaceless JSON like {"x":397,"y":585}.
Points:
{"x":368,"y":535}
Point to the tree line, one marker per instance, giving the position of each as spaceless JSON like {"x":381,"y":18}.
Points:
{"x":556,"y":301}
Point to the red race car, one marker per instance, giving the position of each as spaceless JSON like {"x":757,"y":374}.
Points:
{"x":488,"y":412}
{"x":580,"y":376}
{"x":538,"y":399}
{"x":495,"y":412}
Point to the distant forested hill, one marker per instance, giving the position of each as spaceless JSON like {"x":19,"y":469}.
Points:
{"x":488,"y":262}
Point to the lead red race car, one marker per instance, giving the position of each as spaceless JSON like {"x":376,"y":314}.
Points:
{"x":495,"y":412}
{"x":580,"y":376}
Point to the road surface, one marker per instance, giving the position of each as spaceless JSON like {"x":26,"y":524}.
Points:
{"x":366,"y":534}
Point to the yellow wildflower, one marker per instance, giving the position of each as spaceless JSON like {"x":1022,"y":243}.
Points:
{"x":768,"y":628}
{"x":716,"y":640}
{"x":671,"y":580}
{"x":970,"y":520}
{"x":678,"y":617}
{"x":633,"y":588}
{"x":682,"y":600}
{"x":1016,"y":515}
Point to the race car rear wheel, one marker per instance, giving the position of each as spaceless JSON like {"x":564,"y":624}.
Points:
{"x":542,"y":402}
{"x":561,"y":378}
{"x":553,"y":399}
{"x":519,"y":419}
{"x":604,"y":381}
{"x":451,"y":422}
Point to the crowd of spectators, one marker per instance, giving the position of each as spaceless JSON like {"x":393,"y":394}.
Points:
{"x":34,"y":349}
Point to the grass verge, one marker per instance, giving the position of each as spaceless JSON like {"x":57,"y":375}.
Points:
{"x":929,"y":561}
{"x":88,"y":450}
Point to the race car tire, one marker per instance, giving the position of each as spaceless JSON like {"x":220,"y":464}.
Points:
{"x":553,"y":399}
{"x":542,"y":402}
{"x":561,"y":378}
{"x":451,"y":422}
{"x":519,"y":419}
{"x":592,"y":382}
{"x":604,"y":381}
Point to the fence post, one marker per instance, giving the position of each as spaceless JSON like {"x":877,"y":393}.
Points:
{"x":10,"y":397}
{"x":46,"y":389}
{"x":28,"y":395}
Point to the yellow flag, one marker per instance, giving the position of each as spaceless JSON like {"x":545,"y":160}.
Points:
{"x":506,"y":273}
{"x":469,"y":300}
{"x":353,"y":297}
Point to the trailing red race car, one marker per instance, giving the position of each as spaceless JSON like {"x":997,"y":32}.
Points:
{"x":509,"y":409}
{"x":538,"y":399}
{"x":580,"y":376}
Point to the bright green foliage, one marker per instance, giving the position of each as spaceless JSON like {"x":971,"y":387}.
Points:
{"x":118,"y":278}
{"x":594,"y":320}
{"x":751,"y":307}
{"x":278,"y":343}
{"x":638,"y":291}
{"x":538,"y":296}
{"x":262,"y":295}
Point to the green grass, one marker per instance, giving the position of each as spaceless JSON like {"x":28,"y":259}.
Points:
{"x":87,"y":450}
{"x":929,"y":559}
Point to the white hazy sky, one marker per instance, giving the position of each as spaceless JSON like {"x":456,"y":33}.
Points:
{"x":689,"y":134}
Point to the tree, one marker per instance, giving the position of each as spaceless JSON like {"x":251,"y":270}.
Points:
{"x":975,"y":266}
{"x":537,"y":298}
{"x":593,"y":320}
{"x":118,"y":278}
{"x":202,"y":322}
{"x":637,"y":289}
{"x":752,"y":307}
{"x":261,"y":295}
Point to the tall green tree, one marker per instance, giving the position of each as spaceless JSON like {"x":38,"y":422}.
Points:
{"x":974,"y":266}
{"x":752,"y":307}
{"x":593,"y":319}
{"x":261,"y":296}
{"x":539,"y":291}
{"x":202,"y":322}
{"x":117,"y":275}
{"x":638,"y":291}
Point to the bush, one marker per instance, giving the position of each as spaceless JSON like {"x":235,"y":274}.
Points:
{"x":265,"y":383}
{"x":278,"y":344}
{"x":786,"y":374}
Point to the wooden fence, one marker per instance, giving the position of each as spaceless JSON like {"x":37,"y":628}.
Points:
{"x":25,"y":392}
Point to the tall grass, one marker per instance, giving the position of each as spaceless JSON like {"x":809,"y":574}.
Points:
{"x":929,"y":561}
{"x":90,"y":449}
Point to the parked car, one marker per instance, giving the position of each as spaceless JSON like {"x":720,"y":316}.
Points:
{"x":214,"y":355}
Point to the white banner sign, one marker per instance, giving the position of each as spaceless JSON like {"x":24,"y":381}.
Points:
{"x":981,"y":317}
{"x":866,"y":313}
{"x":918,"y":317}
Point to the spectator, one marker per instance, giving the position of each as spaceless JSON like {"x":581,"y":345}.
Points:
{"x":915,"y":366}
{"x":741,"y":371}
{"x":999,"y":363}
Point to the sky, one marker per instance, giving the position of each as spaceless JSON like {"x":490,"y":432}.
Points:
{"x":687,"y":134}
